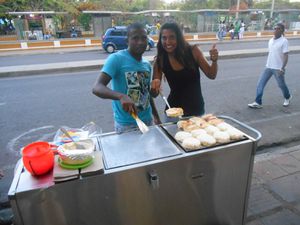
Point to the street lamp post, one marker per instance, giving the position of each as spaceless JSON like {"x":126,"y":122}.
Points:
{"x":272,"y":8}
{"x":237,"y":9}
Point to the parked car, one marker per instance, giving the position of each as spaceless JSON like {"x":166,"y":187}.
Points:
{"x":115,"y":39}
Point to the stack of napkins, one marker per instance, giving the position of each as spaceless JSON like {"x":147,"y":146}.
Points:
{"x":60,"y":174}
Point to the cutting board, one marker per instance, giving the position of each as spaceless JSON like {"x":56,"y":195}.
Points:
{"x":61,"y":174}
{"x":95,"y":168}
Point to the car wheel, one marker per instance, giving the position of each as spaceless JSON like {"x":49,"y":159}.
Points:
{"x":110,"y":48}
{"x":148,"y":47}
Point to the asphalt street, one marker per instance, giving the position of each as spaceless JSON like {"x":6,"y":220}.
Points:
{"x":34,"y":57}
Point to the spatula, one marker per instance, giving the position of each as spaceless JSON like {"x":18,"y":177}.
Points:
{"x":165,"y":99}
{"x":141,"y":125}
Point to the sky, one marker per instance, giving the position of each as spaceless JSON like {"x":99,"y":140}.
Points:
{"x":169,"y":1}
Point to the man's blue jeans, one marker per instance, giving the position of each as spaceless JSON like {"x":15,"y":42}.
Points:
{"x":263,"y":80}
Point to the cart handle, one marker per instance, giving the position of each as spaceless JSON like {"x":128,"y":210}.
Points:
{"x":243,"y":125}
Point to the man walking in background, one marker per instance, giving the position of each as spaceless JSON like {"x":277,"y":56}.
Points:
{"x":221,"y":30}
{"x":276,"y":63}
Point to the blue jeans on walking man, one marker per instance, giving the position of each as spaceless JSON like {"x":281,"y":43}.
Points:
{"x":265,"y":77}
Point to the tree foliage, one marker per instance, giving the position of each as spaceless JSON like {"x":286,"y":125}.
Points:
{"x":193,"y":4}
{"x":10,"y":6}
{"x":74,"y":7}
{"x":37,"y":5}
{"x":279,"y":4}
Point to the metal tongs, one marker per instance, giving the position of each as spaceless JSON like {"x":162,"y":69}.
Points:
{"x":141,"y":125}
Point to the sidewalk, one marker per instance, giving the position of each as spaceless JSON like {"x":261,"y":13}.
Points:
{"x":275,"y":189}
{"x":88,"y":42}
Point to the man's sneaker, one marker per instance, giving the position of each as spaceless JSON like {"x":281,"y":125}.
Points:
{"x":255,"y":105}
{"x":287,"y":101}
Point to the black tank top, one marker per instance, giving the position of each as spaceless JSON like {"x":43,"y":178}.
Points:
{"x":185,"y":88}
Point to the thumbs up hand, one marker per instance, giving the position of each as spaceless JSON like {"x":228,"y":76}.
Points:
{"x":214,"y":54}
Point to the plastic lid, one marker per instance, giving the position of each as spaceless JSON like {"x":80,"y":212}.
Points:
{"x":36,"y":149}
{"x":75,"y":166}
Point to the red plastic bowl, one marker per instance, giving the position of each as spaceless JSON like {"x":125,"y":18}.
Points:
{"x":38,"y":158}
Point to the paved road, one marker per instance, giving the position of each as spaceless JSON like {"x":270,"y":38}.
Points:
{"x":96,"y":53}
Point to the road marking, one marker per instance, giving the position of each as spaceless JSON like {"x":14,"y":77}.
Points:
{"x":2,"y":103}
{"x":47,"y":136}
{"x":235,"y":78}
{"x":11,"y":143}
{"x":273,"y":118}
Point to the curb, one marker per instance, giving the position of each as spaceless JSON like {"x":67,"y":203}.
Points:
{"x":12,"y":71}
{"x":89,"y":65}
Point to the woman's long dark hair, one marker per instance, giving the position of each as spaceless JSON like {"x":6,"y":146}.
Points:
{"x":183,"y":52}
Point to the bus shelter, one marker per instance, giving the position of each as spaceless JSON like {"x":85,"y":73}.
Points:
{"x":40,"y":23}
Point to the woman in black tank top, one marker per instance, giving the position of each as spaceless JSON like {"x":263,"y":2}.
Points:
{"x":180,"y":63}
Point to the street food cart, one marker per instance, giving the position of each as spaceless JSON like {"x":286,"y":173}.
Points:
{"x":147,"y":179}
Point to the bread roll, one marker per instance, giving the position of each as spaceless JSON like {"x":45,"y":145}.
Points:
{"x":182,"y":124}
{"x":191,"y":128}
{"x":211,"y":129}
{"x":208,"y":117}
{"x":191,"y":143}
{"x":221,"y":136}
{"x":204,"y":125}
{"x":215,"y":122}
{"x":194,"y":119}
{"x":206,"y":139}
{"x":181,"y":135}
{"x":199,"y":121}
{"x":179,"y":124}
{"x":234,"y":133}
{"x":174,"y":112}
{"x":224,"y":126}
{"x":198,"y":132}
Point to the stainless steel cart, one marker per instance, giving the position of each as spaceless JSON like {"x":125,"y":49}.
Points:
{"x":148,"y":180}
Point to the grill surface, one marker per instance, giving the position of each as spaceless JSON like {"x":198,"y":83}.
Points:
{"x":172,"y":129}
{"x":134,"y":147}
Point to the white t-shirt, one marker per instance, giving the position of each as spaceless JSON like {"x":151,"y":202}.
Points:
{"x":277,"y":48}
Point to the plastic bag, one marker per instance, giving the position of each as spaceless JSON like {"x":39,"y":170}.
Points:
{"x":83,"y":133}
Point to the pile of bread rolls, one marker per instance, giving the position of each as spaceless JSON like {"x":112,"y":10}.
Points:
{"x":205,"y":131}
